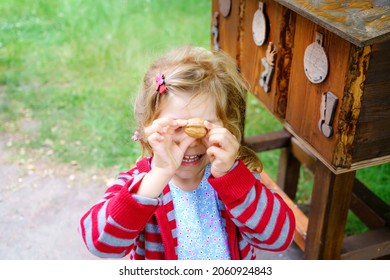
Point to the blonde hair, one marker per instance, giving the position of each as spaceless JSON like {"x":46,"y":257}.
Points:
{"x":196,"y":71}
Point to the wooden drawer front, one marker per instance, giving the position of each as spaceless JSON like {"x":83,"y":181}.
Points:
{"x":304,"y":97}
{"x":280,"y":25}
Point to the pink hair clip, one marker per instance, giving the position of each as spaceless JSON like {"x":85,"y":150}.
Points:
{"x":160,"y":83}
{"x":136,"y":136}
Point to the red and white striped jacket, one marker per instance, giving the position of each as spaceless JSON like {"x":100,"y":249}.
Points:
{"x":124,"y":223}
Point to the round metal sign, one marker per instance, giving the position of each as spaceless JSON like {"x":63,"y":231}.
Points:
{"x":315,"y":63}
{"x":259,"y":26}
{"x":224,"y":7}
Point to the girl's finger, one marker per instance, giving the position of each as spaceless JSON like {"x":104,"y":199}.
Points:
{"x":181,"y":122}
{"x":186,"y":142}
{"x":211,"y":152}
{"x":164,"y":121}
{"x":210,"y":125}
{"x":221,"y":161}
{"x":170,"y":122}
{"x":221,"y":137}
{"x":164,"y":125}
{"x":152,"y":129}
{"x":155,"y":138}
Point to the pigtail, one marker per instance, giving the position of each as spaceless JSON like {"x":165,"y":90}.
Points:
{"x":250,"y":159}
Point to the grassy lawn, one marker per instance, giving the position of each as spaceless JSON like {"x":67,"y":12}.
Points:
{"x":74,"y":66}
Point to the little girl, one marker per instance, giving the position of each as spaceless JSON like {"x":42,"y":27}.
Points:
{"x":190,"y":198}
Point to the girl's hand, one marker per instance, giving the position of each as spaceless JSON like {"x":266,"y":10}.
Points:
{"x":167,"y":154}
{"x":222,"y":149}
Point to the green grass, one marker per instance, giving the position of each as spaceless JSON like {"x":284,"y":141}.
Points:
{"x":73,"y":66}
{"x":77,"y":65}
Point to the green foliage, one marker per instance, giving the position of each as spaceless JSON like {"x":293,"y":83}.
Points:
{"x":258,"y":120}
{"x":76,"y":65}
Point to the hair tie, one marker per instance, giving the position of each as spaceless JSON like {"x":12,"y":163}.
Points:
{"x":160,"y":83}
{"x":136,"y":136}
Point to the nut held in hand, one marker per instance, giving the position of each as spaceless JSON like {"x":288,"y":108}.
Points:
{"x":195,"y":128}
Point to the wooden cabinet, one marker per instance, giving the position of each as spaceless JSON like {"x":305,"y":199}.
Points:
{"x":329,"y":85}
{"x":357,"y":76}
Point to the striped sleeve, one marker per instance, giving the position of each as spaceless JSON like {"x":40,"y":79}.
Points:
{"x":263,"y":218}
{"x":111,"y":228}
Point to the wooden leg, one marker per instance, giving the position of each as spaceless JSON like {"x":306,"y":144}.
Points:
{"x":328,"y":213}
{"x":288,"y":173}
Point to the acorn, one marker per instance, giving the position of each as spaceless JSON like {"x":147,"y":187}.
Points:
{"x":195,"y":128}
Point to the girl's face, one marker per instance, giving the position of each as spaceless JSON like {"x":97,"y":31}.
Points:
{"x":184,"y":107}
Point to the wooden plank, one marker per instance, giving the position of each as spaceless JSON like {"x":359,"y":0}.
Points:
{"x":372,"y":210}
{"x":337,"y":170}
{"x":351,"y":106}
{"x":379,"y":64}
{"x":283,"y":66}
{"x":328,"y":213}
{"x":281,"y":34}
{"x":366,"y":163}
{"x":268,"y":141}
{"x":303,"y":154}
{"x":373,"y":133}
{"x":301,"y":219}
{"x":349,"y":19}
{"x":250,"y":53}
{"x":288,"y":173}
{"x":304,"y":98}
{"x":228,"y":29}
{"x":370,"y":245}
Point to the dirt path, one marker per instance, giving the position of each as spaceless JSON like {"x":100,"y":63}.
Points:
{"x":41,"y":203}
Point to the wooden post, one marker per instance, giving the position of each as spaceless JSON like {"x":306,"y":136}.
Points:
{"x":331,"y":198}
{"x":288,"y":172}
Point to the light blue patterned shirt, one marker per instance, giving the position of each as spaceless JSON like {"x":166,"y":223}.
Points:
{"x":201,"y":235}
